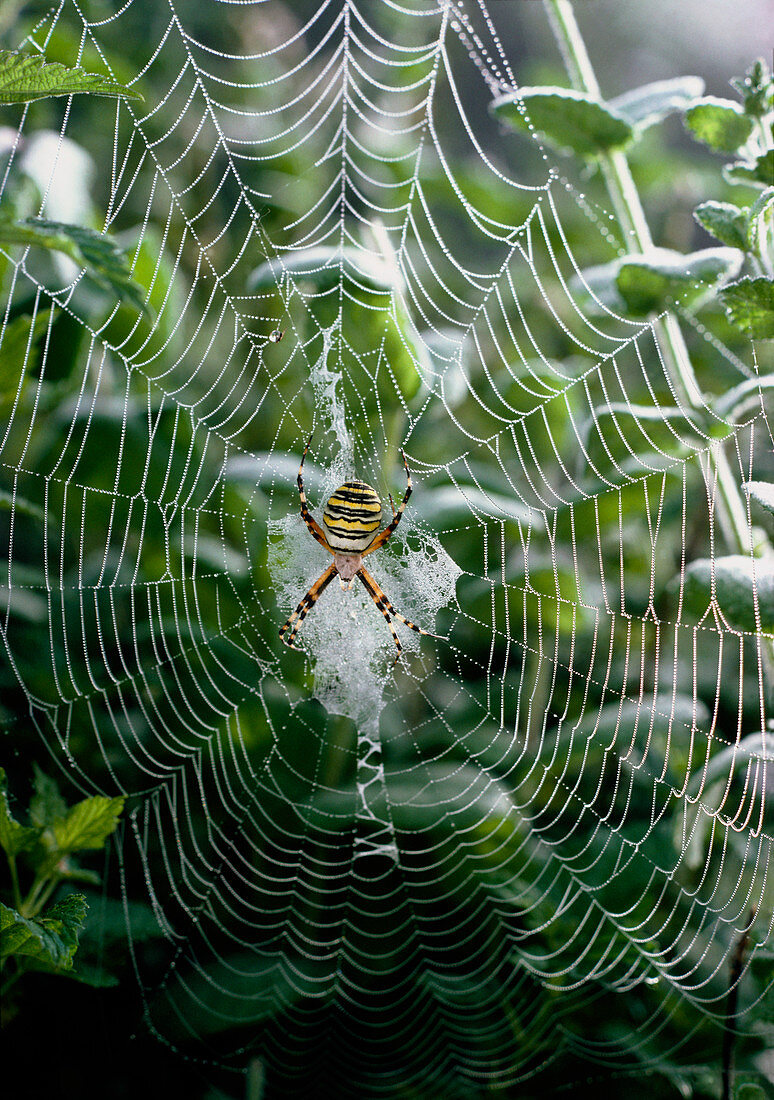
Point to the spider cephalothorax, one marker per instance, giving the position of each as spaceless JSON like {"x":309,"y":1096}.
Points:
{"x":350,"y":530}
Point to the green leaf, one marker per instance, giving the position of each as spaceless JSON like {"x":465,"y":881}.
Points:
{"x":748,"y":394}
{"x":725,"y":221}
{"x":95,"y":976}
{"x":450,"y":505}
{"x":71,"y":872}
{"x":156,"y":331}
{"x":96,"y":252}
{"x":762,"y":492}
{"x":756,"y":173}
{"x":14,"y":838}
{"x":725,"y":760}
{"x":20,"y":505}
{"x":738,"y":579}
{"x":623,"y":441}
{"x":719,"y":123}
{"x":25,"y":77}
{"x":650,"y":282}
{"x":651,"y":103}
{"x":18,"y":352}
{"x":653,"y":281}
{"x":749,"y":304}
{"x":324,"y":268}
{"x":51,"y":939}
{"x":750,"y":1090}
{"x":760,"y":219}
{"x":756,"y":89}
{"x":47,"y":804}
{"x":570,"y":120}
{"x":88,"y":824}
{"x":374,"y":312}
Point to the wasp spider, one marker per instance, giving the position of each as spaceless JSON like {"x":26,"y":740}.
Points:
{"x":351,"y":521}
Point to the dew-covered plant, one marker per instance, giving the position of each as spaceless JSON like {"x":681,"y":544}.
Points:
{"x":42,"y":923}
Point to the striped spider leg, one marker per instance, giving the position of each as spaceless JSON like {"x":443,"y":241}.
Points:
{"x":306,"y":604}
{"x":389,"y":612}
{"x":351,"y":519}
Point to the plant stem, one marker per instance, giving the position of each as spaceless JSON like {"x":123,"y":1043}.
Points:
{"x":43,"y":896}
{"x":39,"y":892}
{"x":732,"y":996}
{"x":6,"y":986}
{"x":17,"y":900}
{"x":731,"y":509}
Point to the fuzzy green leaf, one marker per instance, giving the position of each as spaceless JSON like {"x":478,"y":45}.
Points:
{"x":719,"y":123}
{"x":18,"y":352}
{"x":25,"y":77}
{"x":750,"y":1090}
{"x":157,"y":331}
{"x":13,"y":502}
{"x":96,"y":252}
{"x":762,"y":492}
{"x":376,"y":310}
{"x":760,"y":223}
{"x":738,"y":580}
{"x":569,"y":119}
{"x":95,"y":976}
{"x":51,"y":939}
{"x":651,"y":282}
{"x":749,"y":304}
{"x":622,"y":442}
{"x":446,"y":505}
{"x":14,"y":838}
{"x":756,"y":173}
{"x":88,"y":824}
{"x":747,"y":395}
{"x":47,"y":804}
{"x":323,"y":268}
{"x":651,"y":103}
{"x":756,"y":89}
{"x":725,"y":221}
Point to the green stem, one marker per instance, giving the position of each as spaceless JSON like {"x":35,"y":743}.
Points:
{"x":731,"y":509}
{"x":45,"y":894}
{"x":7,"y":985}
{"x":40,"y":892}
{"x":732,"y":513}
{"x":17,"y":900}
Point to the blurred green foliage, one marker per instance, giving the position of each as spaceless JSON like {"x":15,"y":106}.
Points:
{"x":538,"y":788}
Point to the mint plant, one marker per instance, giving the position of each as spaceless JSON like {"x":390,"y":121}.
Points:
{"x":28,"y":77}
{"x":659,"y":283}
{"x":42,"y":922}
{"x":747,"y":131}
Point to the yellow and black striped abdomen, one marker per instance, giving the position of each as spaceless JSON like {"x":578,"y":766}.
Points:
{"x":352,"y":517}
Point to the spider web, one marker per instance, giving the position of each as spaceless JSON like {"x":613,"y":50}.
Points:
{"x":434,"y":878}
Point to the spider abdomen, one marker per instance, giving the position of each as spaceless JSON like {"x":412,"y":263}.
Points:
{"x":352,"y":517}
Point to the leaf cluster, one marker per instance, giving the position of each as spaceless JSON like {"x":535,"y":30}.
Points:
{"x":640,"y":284}
{"x":36,"y":933}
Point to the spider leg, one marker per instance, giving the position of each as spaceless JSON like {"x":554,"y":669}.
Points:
{"x":386,"y":608}
{"x":306,"y":515}
{"x":306,"y":604}
{"x":381,"y":601}
{"x":382,"y":537}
